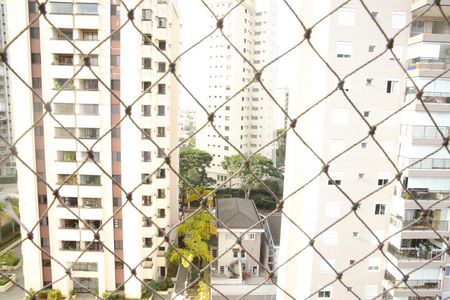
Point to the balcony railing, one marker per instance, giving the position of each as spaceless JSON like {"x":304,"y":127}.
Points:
{"x":438,"y":225}
{"x":427,"y":163}
{"x":428,"y":63}
{"x":414,"y":254}
{"x":425,"y":284}
{"x":425,"y":195}
{"x":423,"y":132}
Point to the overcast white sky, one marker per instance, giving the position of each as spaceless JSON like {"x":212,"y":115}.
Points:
{"x":194,"y":16}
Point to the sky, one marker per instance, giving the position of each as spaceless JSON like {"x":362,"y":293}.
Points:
{"x":194,"y":16}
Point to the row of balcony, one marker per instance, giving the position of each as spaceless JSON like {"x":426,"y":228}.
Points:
{"x":415,"y":254}
{"x":424,"y":284}
{"x":76,"y":246}
{"x":419,"y":225}
{"x":75,"y":224}
{"x":427,"y":163}
{"x":425,"y":194}
{"x":423,"y":132}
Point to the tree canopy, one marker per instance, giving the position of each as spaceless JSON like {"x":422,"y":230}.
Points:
{"x":259,"y":167}
{"x":193,"y":164}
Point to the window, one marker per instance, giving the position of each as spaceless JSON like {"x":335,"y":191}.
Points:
{"x":371,"y":48}
{"x":161,"y":193}
{"x":117,"y":201}
{"x":346,"y":16}
{"x":161,"y":132}
{"x":146,"y":156}
{"x":147,"y":242}
{"x":222,"y":269}
{"x":147,"y":14}
{"x":115,"y":109}
{"x":355,"y":234}
{"x":161,"y":110}
{"x":392,"y":86}
{"x":89,"y":180}
{"x":243,"y":254}
{"x":235,"y":253}
{"x":146,"y":86}
{"x":118,"y":264}
{"x":46,"y":263}
{"x":115,"y":132}
{"x":146,"y":110}
{"x":146,"y":63}
{"x":88,"y":109}
{"x":116,"y":156}
{"x":147,"y":38}
{"x":369,"y":81}
{"x":447,"y":271}
{"x":382,"y":181}
{"x":42,"y":199}
{"x":118,"y":244}
{"x":324,"y":294}
{"x":161,"y":173}
{"x":117,"y":223}
{"x":61,"y":8}
{"x":115,"y":35}
{"x":115,"y":10}
{"x":336,"y":178}
{"x":92,"y":202}
{"x":89,"y":133}
{"x":398,"y":51}
{"x":63,"y":59}
{"x":45,"y":242}
{"x":146,"y":134}
{"x":366,"y":114}
{"x":250,"y":236}
{"x":380,"y":209}
{"x":90,"y":84}
{"x":34,"y":32}
{"x":62,"y":34}
{"x":115,"y":60}
{"x":36,"y":83}
{"x":161,"y":213}
{"x":344,"y":49}
{"x":33,"y":7}
{"x":89,"y":35}
{"x":63,"y":108}
{"x":87,"y":8}
{"x":146,"y":200}
{"x":374,"y":14}
{"x":146,"y":178}
{"x":35,"y":58}
{"x":364,"y":145}
{"x":161,"y":88}
{"x":44,"y":221}
{"x":40,"y":154}
{"x":66,"y":156}
{"x":64,"y":132}
{"x":162,"y":22}
{"x":398,"y":19}
{"x":162,"y":45}
{"x":161,"y":67}
{"x":115,"y":84}
{"x":352,"y":261}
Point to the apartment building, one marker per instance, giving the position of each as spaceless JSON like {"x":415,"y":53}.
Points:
{"x":48,"y":56}
{"x":247,"y":120}
{"x":7,"y":167}
{"x":347,"y":40}
{"x":428,"y":181}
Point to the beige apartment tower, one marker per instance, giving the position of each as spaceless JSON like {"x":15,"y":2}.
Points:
{"x":128,"y":64}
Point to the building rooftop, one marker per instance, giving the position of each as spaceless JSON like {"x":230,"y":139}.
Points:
{"x":237,"y":212}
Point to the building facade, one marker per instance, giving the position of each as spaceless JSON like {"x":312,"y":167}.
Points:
{"x":87,"y":106}
{"x":347,"y":40}
{"x":247,"y":120}
{"x":8,"y":166}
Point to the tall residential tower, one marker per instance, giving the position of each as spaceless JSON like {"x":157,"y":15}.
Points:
{"x":55,"y":59}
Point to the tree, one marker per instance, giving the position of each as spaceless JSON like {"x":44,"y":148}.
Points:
{"x":259,"y":167}
{"x":193,"y":164}
{"x":199,"y":193}
{"x":281,"y":149}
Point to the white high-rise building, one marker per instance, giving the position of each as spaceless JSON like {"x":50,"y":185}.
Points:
{"x":247,"y":120}
{"x":347,"y":40}
{"x":128,"y":64}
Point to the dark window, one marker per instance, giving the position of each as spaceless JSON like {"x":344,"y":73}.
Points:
{"x":146,"y":63}
{"x":161,"y":88}
{"x":42,"y":199}
{"x":90,"y":85}
{"x":146,"y":156}
{"x":117,"y":201}
{"x":115,"y":109}
{"x":117,"y":223}
{"x":116,"y":156}
{"x":45,"y":242}
{"x":162,"y":45}
{"x":146,"y":86}
{"x":118,"y":264}
{"x":44,"y":221}
{"x":161,"y":67}
{"x":146,"y":110}
{"x":33,"y":7}
{"x":118,"y":245}
{"x":115,"y":36}
{"x":38,"y":131}
{"x":161,"y":132}
{"x":115,"y":10}
{"x":162,"y":22}
{"x":147,"y":14}
{"x":115,"y":133}
{"x":46,"y":263}
{"x":115,"y":60}
{"x":35,"y":58}
{"x":115,"y":84}
{"x":34,"y":32}
{"x":146,"y":200}
{"x":380,"y":209}
{"x":146,"y":39}
{"x":161,"y":110}
{"x":382,"y":181}
{"x":36,"y":83}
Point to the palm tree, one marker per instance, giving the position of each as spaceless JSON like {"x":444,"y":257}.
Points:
{"x":198,"y":226}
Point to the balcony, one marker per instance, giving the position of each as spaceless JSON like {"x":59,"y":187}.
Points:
{"x":427,"y":163}
{"x":415,"y":254}
{"x":147,"y":264}
{"x":428,"y":66}
{"x":70,"y":246}
{"x":422,"y":225}
{"x":69,"y":224}
{"x":424,"y":284}
{"x":425,"y":194}
{"x":431,"y":97}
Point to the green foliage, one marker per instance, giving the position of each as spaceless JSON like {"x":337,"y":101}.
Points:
{"x":112,"y":295}
{"x":263,"y":199}
{"x":4,"y":280}
{"x":198,"y":226}
{"x":281,"y":149}
{"x":203,"y":291}
{"x":10,"y":259}
{"x":73,"y":292}
{"x":195,"y":197}
{"x":260,"y":167}
{"x":157,"y":286}
{"x":193,"y":164}
{"x":54,"y":294}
